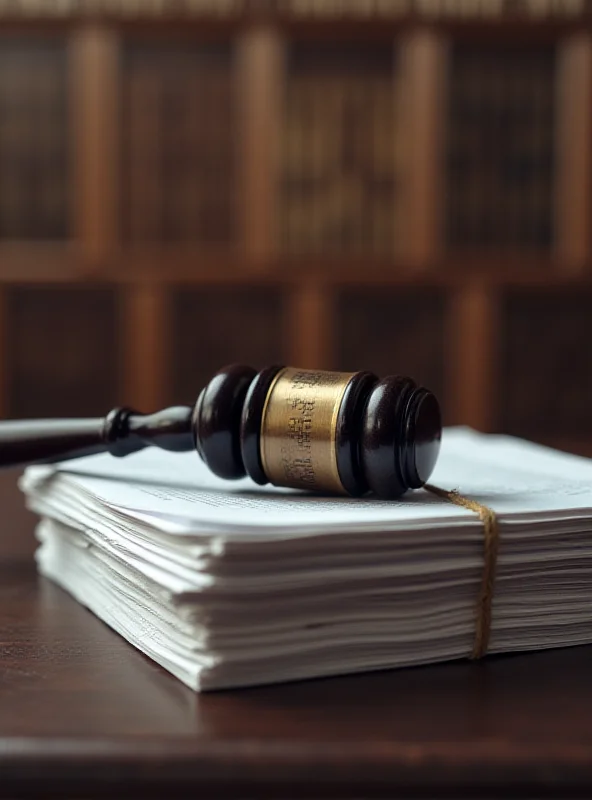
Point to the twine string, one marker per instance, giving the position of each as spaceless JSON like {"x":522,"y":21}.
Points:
{"x":490,"y":551}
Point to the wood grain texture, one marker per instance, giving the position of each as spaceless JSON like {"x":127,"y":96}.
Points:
{"x":423,"y":87}
{"x":93,"y":73}
{"x":40,"y":262}
{"x":573,"y":202}
{"x":17,"y":539}
{"x":545,"y":384}
{"x":35,"y":139}
{"x":471,"y":356}
{"x":260,"y":75}
{"x":145,"y":327}
{"x":63,"y":355}
{"x":86,"y":715}
{"x":216,"y":326}
{"x":309,"y":325}
{"x":392,"y":332}
{"x":3,"y":359}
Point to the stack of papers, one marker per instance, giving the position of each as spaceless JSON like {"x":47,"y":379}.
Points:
{"x":230,"y":584}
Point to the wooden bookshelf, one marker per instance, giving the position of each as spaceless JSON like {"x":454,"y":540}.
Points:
{"x":176,"y":209}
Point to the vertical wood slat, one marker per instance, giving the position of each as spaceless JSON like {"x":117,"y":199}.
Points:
{"x":423,"y":78}
{"x":145,"y":329}
{"x":141,"y":126}
{"x":260,"y":69}
{"x":94,"y":84}
{"x":309,"y":326}
{"x":4,"y":343}
{"x":471,"y":357}
{"x":573,"y":205}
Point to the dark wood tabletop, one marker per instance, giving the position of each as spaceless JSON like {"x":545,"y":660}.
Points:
{"x":83,"y":714}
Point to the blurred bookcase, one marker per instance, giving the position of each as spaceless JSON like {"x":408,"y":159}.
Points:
{"x":395,"y":185}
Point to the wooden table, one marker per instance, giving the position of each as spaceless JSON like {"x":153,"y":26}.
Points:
{"x":83,"y":714}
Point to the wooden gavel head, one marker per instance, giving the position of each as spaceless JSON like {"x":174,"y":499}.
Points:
{"x":337,"y":432}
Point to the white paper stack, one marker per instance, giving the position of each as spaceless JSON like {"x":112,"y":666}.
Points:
{"x":230,"y":584}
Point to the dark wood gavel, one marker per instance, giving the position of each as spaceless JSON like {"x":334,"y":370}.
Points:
{"x":337,"y":432}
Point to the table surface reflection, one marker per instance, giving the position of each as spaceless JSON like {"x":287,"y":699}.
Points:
{"x":84,"y":714}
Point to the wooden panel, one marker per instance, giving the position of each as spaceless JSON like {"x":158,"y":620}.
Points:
{"x":62,"y":356}
{"x":216,"y":326}
{"x":3,"y":353}
{"x":545,"y":385}
{"x":39,"y":261}
{"x":34,"y":139}
{"x":145,"y":335}
{"x":501,"y":147}
{"x":339,"y":165}
{"x":179,"y":154}
{"x":392,"y":331}
{"x":573,"y":207}
{"x":423,"y":97}
{"x":471,"y":357}
{"x":94,"y":86}
{"x":260,"y":68}
{"x":309,"y":322}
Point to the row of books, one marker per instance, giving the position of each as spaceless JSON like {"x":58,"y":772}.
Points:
{"x":342,"y":154}
{"x":501,"y":147}
{"x":307,"y":9}
{"x":540,"y":373}
{"x":487,"y":10}
{"x":178,"y":124}
{"x":341,"y":171}
{"x":34,"y":141}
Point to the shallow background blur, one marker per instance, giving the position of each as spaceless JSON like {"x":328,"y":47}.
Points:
{"x":375,"y":184}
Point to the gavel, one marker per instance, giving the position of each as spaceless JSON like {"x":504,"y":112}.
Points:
{"x":346,"y":433}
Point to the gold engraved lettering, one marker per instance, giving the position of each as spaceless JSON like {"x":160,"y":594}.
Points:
{"x":297,"y":442}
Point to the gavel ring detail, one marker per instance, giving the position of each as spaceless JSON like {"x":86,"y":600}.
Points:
{"x":333,"y":432}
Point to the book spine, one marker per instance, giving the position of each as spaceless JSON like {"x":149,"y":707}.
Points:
{"x":500,"y":148}
{"x":141,"y":92}
{"x":338,"y":170}
{"x":324,"y":10}
{"x":34,"y":178}
{"x":179,"y":149}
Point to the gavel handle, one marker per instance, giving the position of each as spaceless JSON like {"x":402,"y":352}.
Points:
{"x":120,"y":433}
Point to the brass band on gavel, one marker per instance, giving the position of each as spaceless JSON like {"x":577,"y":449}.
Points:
{"x":299,"y":429}
{"x":335,"y":432}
